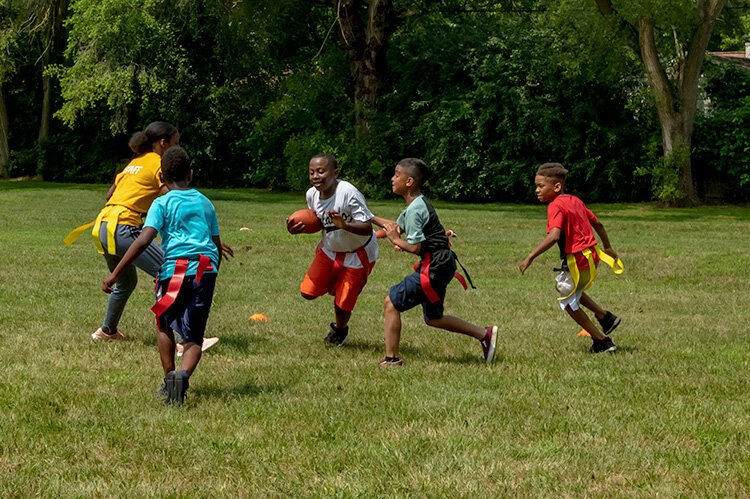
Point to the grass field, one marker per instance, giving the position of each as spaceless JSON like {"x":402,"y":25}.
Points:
{"x":272,"y":412}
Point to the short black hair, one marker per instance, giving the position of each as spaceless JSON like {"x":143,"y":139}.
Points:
{"x":416,"y":169}
{"x":554,"y":171}
{"x":330,"y":160}
{"x":175,"y":164}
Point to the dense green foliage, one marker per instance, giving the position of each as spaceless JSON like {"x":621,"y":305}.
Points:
{"x":483,"y":91}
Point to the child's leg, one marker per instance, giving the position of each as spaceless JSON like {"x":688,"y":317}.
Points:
{"x":392,"y":328}
{"x":590,"y":304}
{"x":120,"y":294}
{"x":342,"y":317}
{"x":583,"y":320}
{"x":191,"y":356}
{"x":166,"y":344}
{"x":456,"y":325}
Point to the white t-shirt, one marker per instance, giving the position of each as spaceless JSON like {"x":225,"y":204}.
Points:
{"x":348,"y":201}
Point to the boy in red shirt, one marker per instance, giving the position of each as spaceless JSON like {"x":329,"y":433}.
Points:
{"x":569,"y":224}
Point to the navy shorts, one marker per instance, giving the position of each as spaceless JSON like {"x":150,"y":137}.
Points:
{"x":408,"y":294}
{"x":189,"y":313}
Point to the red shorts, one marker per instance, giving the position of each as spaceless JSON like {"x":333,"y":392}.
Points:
{"x":346,"y":286}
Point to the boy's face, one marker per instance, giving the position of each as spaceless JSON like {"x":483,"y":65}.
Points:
{"x":547,"y":188}
{"x":401,"y":181}
{"x":322,"y":177}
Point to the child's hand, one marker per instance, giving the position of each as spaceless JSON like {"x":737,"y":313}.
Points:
{"x":611,"y":253}
{"x":337,"y":219}
{"x":450,"y":233}
{"x":294,"y":228}
{"x":392,"y":232}
{"x":226,"y":251}
{"x":524,"y":264}
{"x":108,"y":283}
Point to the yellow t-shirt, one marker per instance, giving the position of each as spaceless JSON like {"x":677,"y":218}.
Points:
{"x":136,"y":188}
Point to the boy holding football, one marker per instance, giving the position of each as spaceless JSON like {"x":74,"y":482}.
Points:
{"x":348,"y":248}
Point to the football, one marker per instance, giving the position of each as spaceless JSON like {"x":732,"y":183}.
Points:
{"x":307,"y":217}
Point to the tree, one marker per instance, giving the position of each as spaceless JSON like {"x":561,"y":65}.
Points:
{"x":674,"y":79}
{"x":8,"y":34}
{"x":365,"y":27}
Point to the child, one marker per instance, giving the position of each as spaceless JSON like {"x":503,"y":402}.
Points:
{"x":119,"y":223}
{"x":186,"y":221}
{"x":348,"y":248}
{"x":426,"y":237}
{"x":569,"y":224}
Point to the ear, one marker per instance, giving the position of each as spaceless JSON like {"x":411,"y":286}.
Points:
{"x":558,"y":187}
{"x":161,"y":177}
{"x":409,"y":181}
{"x":190,"y":175}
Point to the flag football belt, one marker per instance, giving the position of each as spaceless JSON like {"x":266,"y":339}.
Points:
{"x":111,"y":215}
{"x":423,"y":267}
{"x":591,"y":255}
{"x":175,"y":282}
{"x":338,"y":263}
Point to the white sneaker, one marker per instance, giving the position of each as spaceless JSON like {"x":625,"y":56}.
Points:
{"x":99,"y":334}
{"x":207,"y":343}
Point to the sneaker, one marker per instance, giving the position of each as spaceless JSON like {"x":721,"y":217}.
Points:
{"x":488,"y":343}
{"x":390,"y":361}
{"x":169,"y":382}
{"x":207,"y":343}
{"x":337,"y":337}
{"x":602,"y":346}
{"x":177,"y":385}
{"x":99,"y":334}
{"x":609,"y":322}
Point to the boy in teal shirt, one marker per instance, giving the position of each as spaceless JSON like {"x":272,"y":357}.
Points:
{"x":187,"y":223}
{"x":426,"y":237}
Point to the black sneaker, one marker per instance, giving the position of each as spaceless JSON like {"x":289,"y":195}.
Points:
{"x":605,"y":345}
{"x":337,"y":337}
{"x":169,"y":382}
{"x":177,"y":385}
{"x":609,"y":322}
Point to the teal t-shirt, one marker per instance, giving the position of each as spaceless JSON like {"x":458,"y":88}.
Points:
{"x":413,"y":220}
{"x":186,"y":221}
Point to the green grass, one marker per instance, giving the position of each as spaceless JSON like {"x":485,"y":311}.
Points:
{"x":272,"y":412}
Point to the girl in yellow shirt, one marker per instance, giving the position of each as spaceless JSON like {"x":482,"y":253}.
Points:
{"x":120,"y":221}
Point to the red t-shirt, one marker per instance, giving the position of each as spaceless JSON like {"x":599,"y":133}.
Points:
{"x":568,"y":213}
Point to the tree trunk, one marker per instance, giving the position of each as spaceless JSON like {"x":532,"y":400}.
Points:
{"x":44,"y":121}
{"x":4,"y":149}
{"x":365,"y":42}
{"x":676,"y":97}
{"x":56,"y":18}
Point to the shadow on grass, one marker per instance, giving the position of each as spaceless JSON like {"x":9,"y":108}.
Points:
{"x":368,"y":346}
{"x":238,"y":344}
{"x":247,"y":389}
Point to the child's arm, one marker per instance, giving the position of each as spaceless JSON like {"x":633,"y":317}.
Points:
{"x":359,"y":228}
{"x":599,"y":228}
{"x":136,"y":248}
{"x":224,"y":250}
{"x":110,"y":192}
{"x":547,"y":243}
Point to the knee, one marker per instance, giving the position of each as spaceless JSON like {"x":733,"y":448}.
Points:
{"x":432,"y":322}
{"x":388,"y":305}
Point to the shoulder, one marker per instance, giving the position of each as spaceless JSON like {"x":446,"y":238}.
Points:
{"x":347,"y":188}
